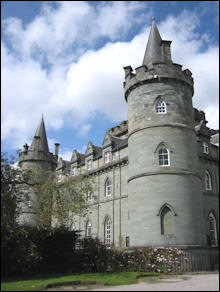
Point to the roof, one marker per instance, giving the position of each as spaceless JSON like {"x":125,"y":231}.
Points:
{"x":39,"y":142}
{"x":215,"y":139}
{"x":153,"y":52}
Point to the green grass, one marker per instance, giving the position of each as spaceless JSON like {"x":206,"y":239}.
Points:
{"x":39,"y":284}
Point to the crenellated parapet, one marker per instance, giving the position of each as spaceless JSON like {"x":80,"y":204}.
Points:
{"x":157,"y":73}
{"x":120,"y":130}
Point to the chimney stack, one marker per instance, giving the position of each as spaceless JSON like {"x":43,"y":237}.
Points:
{"x":56,"y":148}
{"x":25,"y":147}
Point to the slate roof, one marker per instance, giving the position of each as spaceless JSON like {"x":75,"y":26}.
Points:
{"x":39,"y":142}
{"x":153,"y":52}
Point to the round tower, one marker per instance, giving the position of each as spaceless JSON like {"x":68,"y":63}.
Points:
{"x":165,"y":189}
{"x":38,"y":159}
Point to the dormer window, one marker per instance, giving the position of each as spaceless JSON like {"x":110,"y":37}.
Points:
{"x":89,"y":164}
{"x":205,"y":148}
{"x":107,"y":157}
{"x":160,"y":107}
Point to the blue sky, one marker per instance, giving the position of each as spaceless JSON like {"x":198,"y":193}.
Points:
{"x":65,"y":59}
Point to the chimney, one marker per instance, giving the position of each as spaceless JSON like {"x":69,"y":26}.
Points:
{"x":25,"y":147}
{"x":56,"y":148}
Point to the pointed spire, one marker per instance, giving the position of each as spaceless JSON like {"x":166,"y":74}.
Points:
{"x":153,"y":52}
{"x":40,"y":138}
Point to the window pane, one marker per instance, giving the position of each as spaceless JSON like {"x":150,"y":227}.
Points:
{"x":163,"y":156}
{"x":160,"y":107}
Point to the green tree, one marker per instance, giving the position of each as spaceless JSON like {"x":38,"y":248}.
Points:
{"x":61,"y":200}
{"x":11,"y":194}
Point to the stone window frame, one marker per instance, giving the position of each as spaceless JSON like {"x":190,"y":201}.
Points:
{"x":88,"y":228}
{"x":160,"y":106}
{"x":212,"y":225}
{"x":164,"y":156}
{"x":72,"y":226}
{"x":208,"y":180}
{"x":161,"y":215}
{"x":107,"y":156}
{"x":73,"y":170}
{"x":89,"y":164}
{"x":89,"y":196}
{"x":108,"y":187}
{"x":107,"y":232}
{"x":205,"y":146}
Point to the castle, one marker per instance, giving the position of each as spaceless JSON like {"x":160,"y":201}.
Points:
{"x":156,"y":175}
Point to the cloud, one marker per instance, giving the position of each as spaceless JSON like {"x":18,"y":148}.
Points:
{"x":65,"y":28}
{"x":66,"y":155}
{"x":54,"y":66}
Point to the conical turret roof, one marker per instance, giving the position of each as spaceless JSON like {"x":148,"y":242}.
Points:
{"x":153,"y":52}
{"x":40,"y":138}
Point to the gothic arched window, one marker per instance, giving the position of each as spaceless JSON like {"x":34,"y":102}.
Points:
{"x":166,"y":221}
{"x":107,"y":232}
{"x":88,"y":228}
{"x":108,"y":188}
{"x":163,"y":156}
{"x":160,"y":107}
{"x":212,"y":229}
{"x":208,"y":181}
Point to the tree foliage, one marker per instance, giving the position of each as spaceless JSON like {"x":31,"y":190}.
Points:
{"x":60,"y":201}
{"x":11,"y":194}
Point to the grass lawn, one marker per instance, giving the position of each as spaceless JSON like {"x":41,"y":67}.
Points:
{"x":39,"y":283}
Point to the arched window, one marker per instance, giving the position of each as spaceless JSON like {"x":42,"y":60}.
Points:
{"x":160,"y":107}
{"x":107,"y":233}
{"x":163,"y":156}
{"x":73,"y":171}
{"x":108,"y":188}
{"x":212,"y":229}
{"x":89,"y":196}
{"x":208,"y":181}
{"x":166,"y":221}
{"x":89,"y":164}
{"x":88,"y":228}
{"x":72,"y":227}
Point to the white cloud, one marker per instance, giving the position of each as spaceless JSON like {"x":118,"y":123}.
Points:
{"x":75,"y":92}
{"x":66,"y":155}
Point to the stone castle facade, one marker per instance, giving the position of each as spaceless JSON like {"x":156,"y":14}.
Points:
{"x":156,"y":175}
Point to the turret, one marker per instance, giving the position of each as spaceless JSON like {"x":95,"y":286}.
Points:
{"x":38,"y":159}
{"x":38,"y":153}
{"x":165,"y":195}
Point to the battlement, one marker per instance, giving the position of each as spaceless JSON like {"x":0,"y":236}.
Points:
{"x":119,"y":131}
{"x":37,"y":156}
{"x":159,"y":71}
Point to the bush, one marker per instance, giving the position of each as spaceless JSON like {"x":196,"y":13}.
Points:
{"x":28,"y":250}
{"x":163,"y":259}
{"x":58,"y":251}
